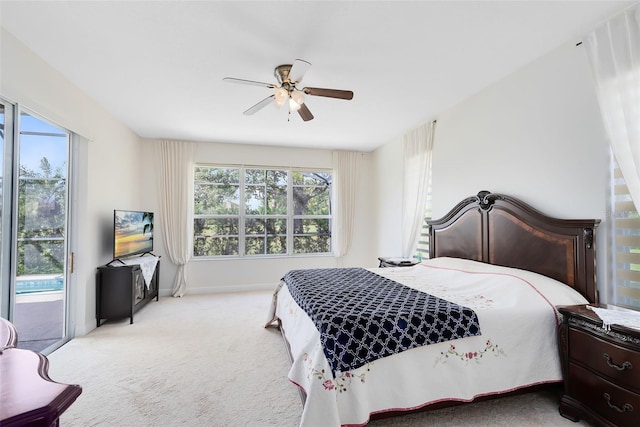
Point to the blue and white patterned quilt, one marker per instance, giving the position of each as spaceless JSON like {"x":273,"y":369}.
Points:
{"x":362,"y":316}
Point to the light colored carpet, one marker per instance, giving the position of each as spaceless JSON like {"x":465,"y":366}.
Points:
{"x":206,"y":360}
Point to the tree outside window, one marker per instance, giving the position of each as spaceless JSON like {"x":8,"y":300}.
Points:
{"x":41,"y":219}
{"x":248,"y":212}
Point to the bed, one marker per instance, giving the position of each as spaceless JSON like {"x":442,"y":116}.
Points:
{"x":497,"y":268}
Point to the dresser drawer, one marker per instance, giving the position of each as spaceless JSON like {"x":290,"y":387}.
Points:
{"x":616,"y":404}
{"x":619,"y":364}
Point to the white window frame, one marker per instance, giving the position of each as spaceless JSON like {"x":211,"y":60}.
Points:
{"x":242,"y":216}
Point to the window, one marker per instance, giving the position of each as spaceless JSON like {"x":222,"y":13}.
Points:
{"x":252,"y":211}
{"x":626,"y":242}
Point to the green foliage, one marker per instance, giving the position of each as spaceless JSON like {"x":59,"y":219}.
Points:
{"x":41,"y":220}
{"x":216,"y":191}
{"x":226,"y":176}
{"x":312,"y":236}
{"x":265,"y":236}
{"x":207,"y":246}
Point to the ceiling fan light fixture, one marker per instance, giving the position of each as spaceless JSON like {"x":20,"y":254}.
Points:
{"x":298,"y":96}
{"x":281,"y":96}
{"x":294,"y":105}
{"x":296,"y":100}
{"x":288,"y":76}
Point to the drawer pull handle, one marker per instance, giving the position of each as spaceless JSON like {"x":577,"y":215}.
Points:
{"x":626,"y":407}
{"x":625,"y":365}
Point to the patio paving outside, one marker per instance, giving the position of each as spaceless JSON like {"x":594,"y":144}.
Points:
{"x":38,"y":318}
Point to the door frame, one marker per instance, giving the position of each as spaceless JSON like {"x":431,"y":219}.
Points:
{"x":9,"y":246}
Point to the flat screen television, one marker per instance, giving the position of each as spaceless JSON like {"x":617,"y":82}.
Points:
{"x":132,"y":233}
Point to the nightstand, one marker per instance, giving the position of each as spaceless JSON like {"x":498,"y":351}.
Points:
{"x":601,"y":369}
{"x":396,"y":262}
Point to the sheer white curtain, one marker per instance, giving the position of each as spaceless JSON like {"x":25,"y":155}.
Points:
{"x":417,"y":148}
{"x":345,"y":180}
{"x":175,"y":166}
{"x":614,"y":53}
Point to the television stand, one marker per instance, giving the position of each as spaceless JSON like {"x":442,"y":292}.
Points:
{"x":122,"y":289}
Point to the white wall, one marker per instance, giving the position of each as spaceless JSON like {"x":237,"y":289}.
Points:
{"x":536,"y":135}
{"x":108,"y":165}
{"x":261,"y":273}
{"x":387,"y":173}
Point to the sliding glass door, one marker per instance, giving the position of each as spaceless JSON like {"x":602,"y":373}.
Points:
{"x":6,"y":136}
{"x":35,"y":218}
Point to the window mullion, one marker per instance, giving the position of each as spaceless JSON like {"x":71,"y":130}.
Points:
{"x":265,"y":217}
{"x":289,"y":213}
{"x":241,"y":213}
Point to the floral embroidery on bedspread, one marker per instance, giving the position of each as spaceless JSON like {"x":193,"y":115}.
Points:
{"x":341,"y":382}
{"x":469,"y":356}
{"x":292,"y":308}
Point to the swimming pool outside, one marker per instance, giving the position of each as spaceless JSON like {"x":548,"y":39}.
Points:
{"x":39,"y":283}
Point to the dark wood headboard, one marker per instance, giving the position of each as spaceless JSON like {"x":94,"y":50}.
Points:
{"x":502,"y":230}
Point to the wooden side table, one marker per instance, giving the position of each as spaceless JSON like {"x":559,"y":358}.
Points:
{"x":601,"y":369}
{"x":8,"y":335}
{"x":27,"y":395}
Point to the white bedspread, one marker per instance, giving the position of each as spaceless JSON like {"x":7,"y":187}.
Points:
{"x":517,"y":347}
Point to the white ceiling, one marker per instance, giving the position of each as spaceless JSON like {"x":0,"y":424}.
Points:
{"x":158,"y":65}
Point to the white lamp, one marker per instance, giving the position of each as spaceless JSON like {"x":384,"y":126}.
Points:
{"x":281,"y":96}
{"x":297,"y":99}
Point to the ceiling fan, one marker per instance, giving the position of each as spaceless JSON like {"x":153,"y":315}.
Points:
{"x":288,"y":77}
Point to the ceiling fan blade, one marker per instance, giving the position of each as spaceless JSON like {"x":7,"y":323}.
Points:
{"x":260,"y":105}
{"x":298,"y":70}
{"x":329,"y":93}
{"x":249,"y":82}
{"x":305,"y":113}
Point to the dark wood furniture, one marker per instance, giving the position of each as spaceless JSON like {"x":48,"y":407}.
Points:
{"x":121,"y":291}
{"x":502,"y":230}
{"x":8,"y":335}
{"x":396,"y":262}
{"x":28,"y":397}
{"x":601,"y":369}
